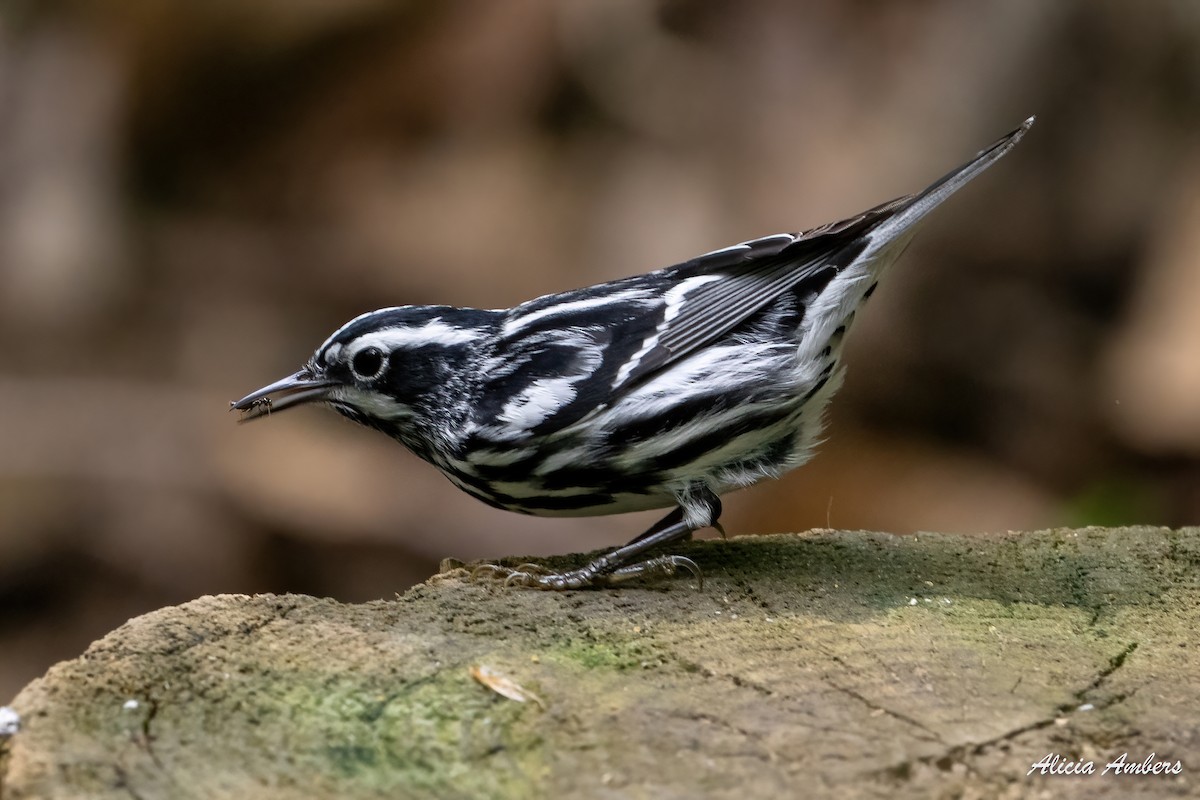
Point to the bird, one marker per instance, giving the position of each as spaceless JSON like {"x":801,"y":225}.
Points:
{"x":666,"y":389}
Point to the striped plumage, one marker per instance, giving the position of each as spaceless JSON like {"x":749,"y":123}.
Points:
{"x":660,"y":390}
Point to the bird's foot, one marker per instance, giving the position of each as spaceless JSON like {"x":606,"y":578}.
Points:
{"x":598,"y":573}
{"x":508,"y":575}
{"x":653,"y":569}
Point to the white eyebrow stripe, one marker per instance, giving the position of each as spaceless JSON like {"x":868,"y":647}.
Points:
{"x":434,"y":332}
{"x":359,"y":318}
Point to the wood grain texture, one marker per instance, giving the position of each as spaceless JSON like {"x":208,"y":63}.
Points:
{"x":828,"y":664}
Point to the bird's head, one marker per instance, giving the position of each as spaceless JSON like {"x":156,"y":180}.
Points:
{"x":386,"y":369}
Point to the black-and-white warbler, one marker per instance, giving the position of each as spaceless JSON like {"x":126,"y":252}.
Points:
{"x":660,"y":390}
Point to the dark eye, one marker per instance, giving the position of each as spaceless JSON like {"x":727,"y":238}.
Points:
{"x":368,"y":362}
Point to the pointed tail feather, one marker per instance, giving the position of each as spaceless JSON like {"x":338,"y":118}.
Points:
{"x":914,"y":209}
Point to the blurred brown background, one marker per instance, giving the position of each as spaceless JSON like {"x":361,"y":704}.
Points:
{"x":193,"y":195}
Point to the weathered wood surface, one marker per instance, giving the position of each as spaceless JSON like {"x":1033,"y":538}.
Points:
{"x":829,"y":664}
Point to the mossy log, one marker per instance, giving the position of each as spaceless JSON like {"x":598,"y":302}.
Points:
{"x":827,"y":664}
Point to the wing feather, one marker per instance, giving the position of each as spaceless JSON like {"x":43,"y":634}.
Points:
{"x":714,"y":299}
{"x":640,"y":326}
{"x":720,"y":290}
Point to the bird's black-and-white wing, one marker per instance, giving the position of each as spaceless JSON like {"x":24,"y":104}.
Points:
{"x":556,"y":357}
{"x":718,"y":291}
{"x":560,"y":358}
{"x":715,"y":293}
{"x":580,"y":351}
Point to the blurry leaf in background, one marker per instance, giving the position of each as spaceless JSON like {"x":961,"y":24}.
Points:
{"x":1115,"y":502}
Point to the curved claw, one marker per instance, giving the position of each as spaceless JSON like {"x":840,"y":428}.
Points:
{"x":490,"y":571}
{"x":499,"y":572}
{"x":661,"y":567}
{"x":519,"y":578}
{"x":689,"y":565}
{"x":535,"y":576}
{"x":598,"y":573}
{"x":528,"y":575}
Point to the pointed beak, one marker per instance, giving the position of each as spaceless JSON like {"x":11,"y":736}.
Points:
{"x":294,"y":390}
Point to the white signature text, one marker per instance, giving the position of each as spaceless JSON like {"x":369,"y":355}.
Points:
{"x":1054,"y":764}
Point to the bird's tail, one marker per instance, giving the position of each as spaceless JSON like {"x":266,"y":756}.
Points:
{"x":899,"y":225}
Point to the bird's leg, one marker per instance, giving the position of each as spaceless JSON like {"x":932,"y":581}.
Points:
{"x":615,"y":567}
{"x":676,"y":514}
{"x":673,"y":517}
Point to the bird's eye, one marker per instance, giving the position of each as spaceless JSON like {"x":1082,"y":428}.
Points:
{"x":367,"y":363}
